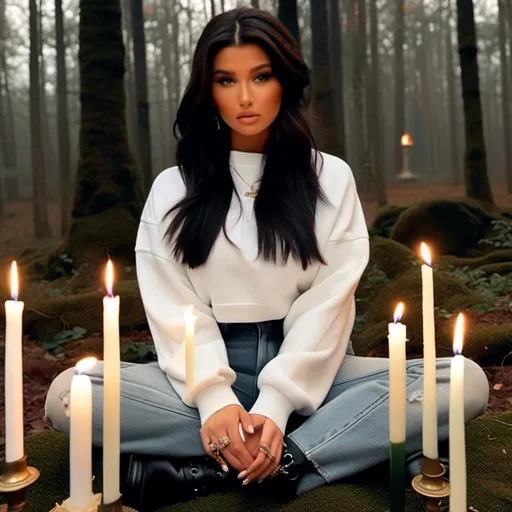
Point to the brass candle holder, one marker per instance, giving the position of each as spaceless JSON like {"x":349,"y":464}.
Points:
{"x":15,"y":478}
{"x":431,"y":485}
{"x":116,"y":506}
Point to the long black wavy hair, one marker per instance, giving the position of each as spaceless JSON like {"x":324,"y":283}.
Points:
{"x":286,"y":201}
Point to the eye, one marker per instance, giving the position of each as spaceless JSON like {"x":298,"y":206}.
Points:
{"x":263,"y":77}
{"x":224,"y":80}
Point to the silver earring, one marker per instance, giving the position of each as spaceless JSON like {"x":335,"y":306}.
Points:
{"x":218,"y":122}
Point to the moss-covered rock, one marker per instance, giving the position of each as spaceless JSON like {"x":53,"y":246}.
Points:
{"x":385,"y":220}
{"x":449,"y":227}
{"x":490,"y":258}
{"x":391,"y":257}
{"x":449,"y":294}
{"x":42,"y":320}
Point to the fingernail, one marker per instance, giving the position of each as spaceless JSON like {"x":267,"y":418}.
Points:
{"x":251,"y":429}
{"x":245,"y":482}
{"x":242,"y":474}
{"x":225,"y":468}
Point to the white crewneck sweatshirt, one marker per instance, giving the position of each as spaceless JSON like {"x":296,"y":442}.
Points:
{"x":317,"y":305}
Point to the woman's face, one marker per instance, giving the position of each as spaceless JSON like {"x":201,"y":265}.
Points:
{"x":246,"y":94}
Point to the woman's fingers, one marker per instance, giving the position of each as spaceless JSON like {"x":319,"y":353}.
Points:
{"x":263,"y":461}
{"x":206,"y":440}
{"x":237,"y":447}
{"x":277,"y":449}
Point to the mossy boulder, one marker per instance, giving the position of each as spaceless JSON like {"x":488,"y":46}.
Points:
{"x":391,"y":257}
{"x":448,"y":226}
{"x":43,"y":320}
{"x":449,"y":294}
{"x":383,"y":223}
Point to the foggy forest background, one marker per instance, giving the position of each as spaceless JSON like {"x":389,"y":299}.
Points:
{"x":385,"y":66}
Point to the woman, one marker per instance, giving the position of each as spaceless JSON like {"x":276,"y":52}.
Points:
{"x":265,"y":237}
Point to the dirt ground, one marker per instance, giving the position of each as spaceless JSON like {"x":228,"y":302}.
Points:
{"x":40,"y":367}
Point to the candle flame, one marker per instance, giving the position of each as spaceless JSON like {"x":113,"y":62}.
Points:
{"x":85,"y":364}
{"x":425,"y":254}
{"x":110,"y":278}
{"x":190,"y":317}
{"x":14,"y":280}
{"x":399,"y":311}
{"x":406,"y":140}
{"x":459,"y":334}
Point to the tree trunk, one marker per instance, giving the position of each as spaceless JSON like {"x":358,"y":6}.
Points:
{"x":358,"y":69}
{"x":131,"y":116}
{"x":141,"y":92}
{"x":505,"y":105}
{"x":475,"y":164}
{"x":62,"y":122}
{"x":255,"y":4}
{"x":287,"y":13}
{"x":48,"y":148}
{"x":399,"y":81}
{"x":322,"y":91}
{"x":222,"y":6}
{"x":337,"y":73}
{"x":108,"y":200}
{"x":212,"y":7}
{"x":453,"y":126}
{"x":41,"y":226}
{"x":375,"y":129}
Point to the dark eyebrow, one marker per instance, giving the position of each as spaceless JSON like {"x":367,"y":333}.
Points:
{"x":231,"y":73}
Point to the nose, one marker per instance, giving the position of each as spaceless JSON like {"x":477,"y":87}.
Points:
{"x":245,"y":96}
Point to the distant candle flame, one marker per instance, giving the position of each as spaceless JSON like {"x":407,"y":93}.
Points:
{"x":425,"y":254}
{"x":110,"y":278}
{"x":190,"y":317}
{"x":399,"y":311}
{"x":14,"y":281}
{"x":85,"y":364}
{"x":406,"y":140}
{"x":459,"y":334}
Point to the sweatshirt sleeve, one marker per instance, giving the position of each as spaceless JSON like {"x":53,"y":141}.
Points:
{"x":166,"y":291}
{"x":319,"y":323}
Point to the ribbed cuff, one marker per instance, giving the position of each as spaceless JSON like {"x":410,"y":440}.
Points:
{"x":274,"y":405}
{"x":213,"y":399}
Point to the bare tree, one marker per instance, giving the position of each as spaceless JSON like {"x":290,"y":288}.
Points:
{"x":41,"y":225}
{"x":375,"y":129}
{"x":62,"y":122}
{"x":453,"y":126}
{"x":322,"y":90}
{"x":212,"y":6}
{"x":141,"y":91}
{"x":337,"y":73}
{"x":255,"y":4}
{"x":287,"y":13}
{"x":475,"y":163}
{"x":399,"y":80}
{"x":505,"y":104}
{"x":107,"y":190}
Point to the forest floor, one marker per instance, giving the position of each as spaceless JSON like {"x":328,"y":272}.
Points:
{"x":41,"y":366}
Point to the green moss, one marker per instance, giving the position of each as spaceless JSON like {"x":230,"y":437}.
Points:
{"x":496,"y":256}
{"x":391,"y":257}
{"x":449,"y":295}
{"x":449,"y":227}
{"x":42,"y":320}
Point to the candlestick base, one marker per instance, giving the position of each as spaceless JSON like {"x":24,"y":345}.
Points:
{"x":15,"y":478}
{"x":430,"y":484}
{"x":66,"y":506}
{"x":116,"y":506}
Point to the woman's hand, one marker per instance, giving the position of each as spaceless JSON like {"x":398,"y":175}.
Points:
{"x":268,"y":436}
{"x":225,"y":423}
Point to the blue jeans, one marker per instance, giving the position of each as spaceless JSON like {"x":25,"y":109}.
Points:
{"x":347,"y":434}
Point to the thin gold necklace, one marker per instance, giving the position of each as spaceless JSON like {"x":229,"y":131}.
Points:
{"x":252,"y":193}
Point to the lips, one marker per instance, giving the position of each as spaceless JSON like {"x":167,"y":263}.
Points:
{"x":248,"y":114}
